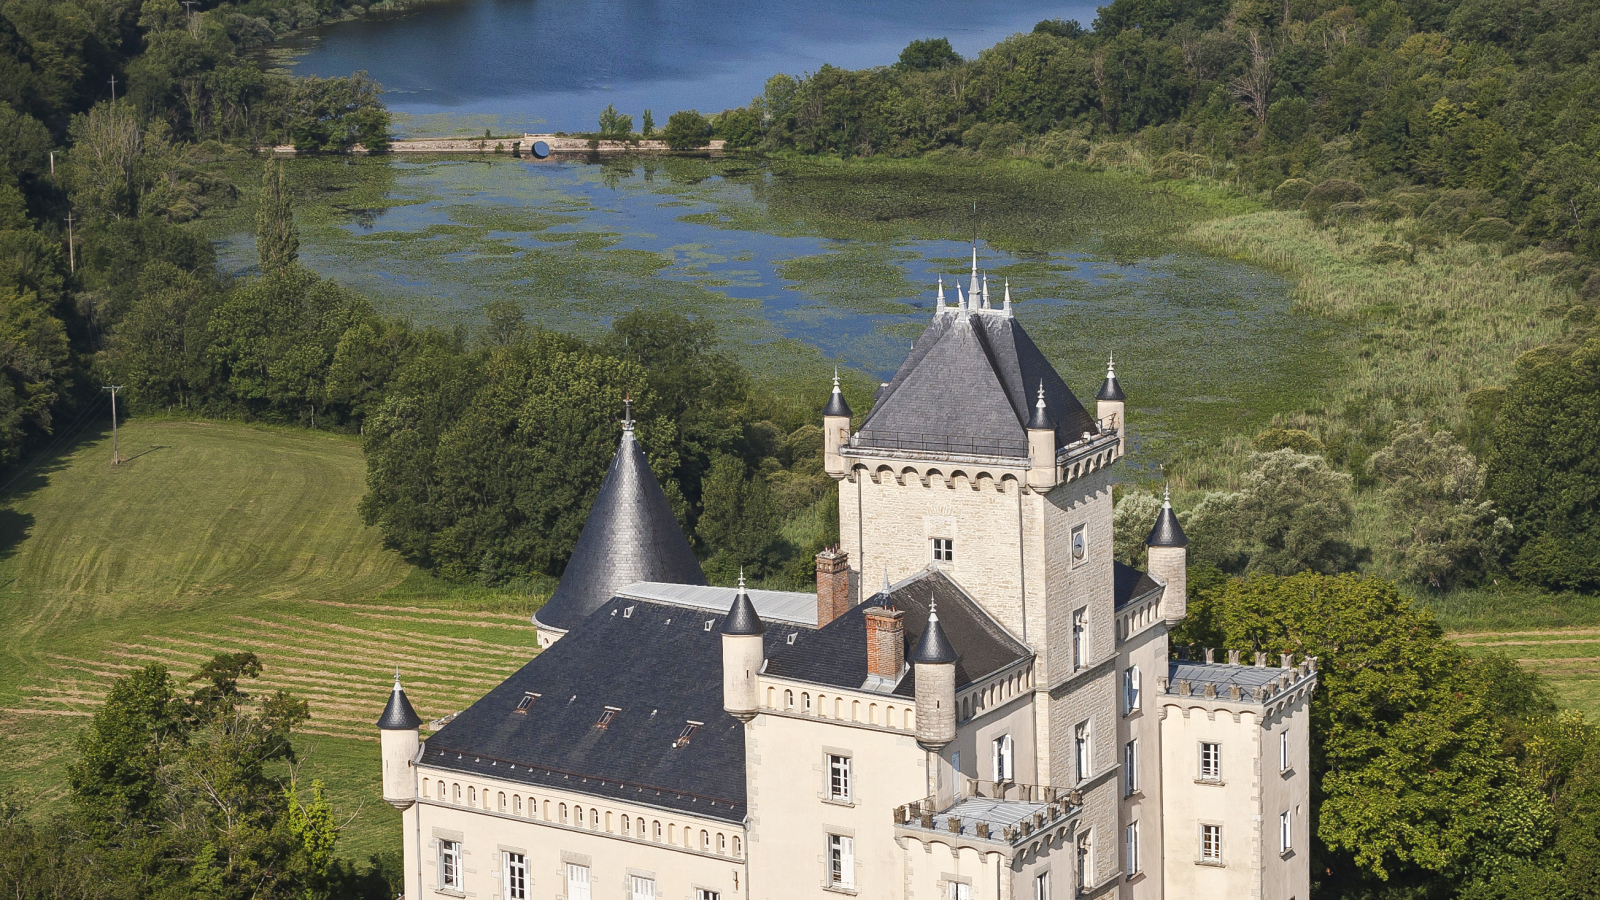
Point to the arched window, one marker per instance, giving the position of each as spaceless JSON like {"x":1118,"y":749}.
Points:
{"x":577,"y":816}
{"x":594,"y":818}
{"x":563,"y":814}
{"x":705,"y":840}
{"x":608,"y":821}
{"x":657,"y":827}
{"x":472,"y":796}
{"x":627,"y":824}
{"x":805,"y":703}
{"x":905,"y":719}
{"x":788,"y":699}
{"x":855,"y":710}
{"x":547,"y":810}
{"x":738,"y":846}
{"x":672,"y":833}
{"x":502,"y":801}
{"x":838,"y":707}
{"x":457,"y":789}
{"x":427,"y":787}
{"x":872,"y":713}
{"x":722,"y":842}
{"x":516,"y":804}
{"x":771,"y":693}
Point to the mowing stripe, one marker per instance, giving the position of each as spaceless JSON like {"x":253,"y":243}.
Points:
{"x":424,"y":610}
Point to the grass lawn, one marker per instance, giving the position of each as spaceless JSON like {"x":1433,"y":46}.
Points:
{"x":216,"y":537}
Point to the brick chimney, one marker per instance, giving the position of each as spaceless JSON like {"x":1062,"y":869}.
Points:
{"x":886,"y":642}
{"x":833,"y":585}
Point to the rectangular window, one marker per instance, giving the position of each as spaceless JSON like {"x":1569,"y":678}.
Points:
{"x":841,"y":861}
{"x":450,"y":864}
{"x":1285,"y":833}
{"x":514,"y":866}
{"x":1130,"y":690}
{"x":526,"y":701}
{"x":1002,"y":759}
{"x":703,"y":894}
{"x":944,"y":549}
{"x":1283,"y":751}
{"x":955,"y":762}
{"x":1041,"y":886}
{"x":1085,"y":861}
{"x":1079,"y":621}
{"x":577,"y":882}
{"x":959,"y":891}
{"x":643,"y":888}
{"x":1211,"y":761}
{"x":1211,"y":843}
{"x":687,"y":734}
{"x":839,"y":778}
{"x":1130,"y":841}
{"x":1080,"y":744}
{"x":1130,"y":767}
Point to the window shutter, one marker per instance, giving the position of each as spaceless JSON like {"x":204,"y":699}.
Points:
{"x":847,"y":851}
{"x":1133,"y":685}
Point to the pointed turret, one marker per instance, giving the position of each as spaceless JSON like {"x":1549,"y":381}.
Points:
{"x":835,"y":430}
{"x":974,"y":293}
{"x":743,"y":652}
{"x":986,"y":290}
{"x":1007,"y":308}
{"x":1112,"y":406}
{"x":1169,"y":560}
{"x":935,"y":672}
{"x":399,"y":741}
{"x":631,"y":535}
{"x":1042,"y":473}
{"x":940,"y":308}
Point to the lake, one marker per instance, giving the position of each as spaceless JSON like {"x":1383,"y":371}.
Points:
{"x":552,"y":65}
{"x":804,"y":266}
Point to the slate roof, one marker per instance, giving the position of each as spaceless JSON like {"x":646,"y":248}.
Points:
{"x":742,"y":619}
{"x":1252,"y":680}
{"x":1129,"y":584}
{"x":969,"y":386}
{"x":661,"y":667}
{"x":397,"y":713}
{"x":631,"y":535}
{"x":836,"y":654}
{"x":1167,"y":532}
{"x":792,"y":607}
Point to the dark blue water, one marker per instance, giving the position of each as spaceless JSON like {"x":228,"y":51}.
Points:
{"x":553,"y":64}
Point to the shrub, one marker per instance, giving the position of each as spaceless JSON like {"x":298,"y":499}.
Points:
{"x":1488,"y":231}
{"x":1287,"y":439}
{"x":1325,"y":196}
{"x":1291,"y":193}
{"x":686,"y":130}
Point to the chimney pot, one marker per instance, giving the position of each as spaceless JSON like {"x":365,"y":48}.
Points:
{"x":1261,"y":658}
{"x":1287,"y":661}
{"x":1210,"y":655}
{"x":1233,"y":657}
{"x":833,"y":585}
{"x":886,"y":642}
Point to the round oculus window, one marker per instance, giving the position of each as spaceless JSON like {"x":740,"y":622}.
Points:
{"x":1077,"y":547}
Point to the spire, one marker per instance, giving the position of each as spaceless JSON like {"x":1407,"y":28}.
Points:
{"x":1041,"y":418}
{"x":940,"y":307}
{"x":961,"y":300}
{"x":742,"y":616}
{"x":631,"y":535}
{"x":1167,"y":532}
{"x":1111,"y":390}
{"x":1007,"y":307}
{"x":934,"y":648}
{"x":972,"y":292}
{"x":627,"y":412}
{"x":886,"y":579}
{"x":836,"y":405}
{"x":986,"y":290}
{"x":398,"y":714}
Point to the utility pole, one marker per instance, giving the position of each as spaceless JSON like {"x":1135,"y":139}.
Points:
{"x":116,"y":457}
{"x":52,"y":168}
{"x":72,"y":259}
{"x":113,"y":89}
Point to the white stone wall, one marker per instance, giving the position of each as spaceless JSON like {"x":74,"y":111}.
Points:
{"x":1286,"y":876}
{"x":1146,"y":649}
{"x":791,"y":815}
{"x":676,"y":861}
{"x":1234,"y":802}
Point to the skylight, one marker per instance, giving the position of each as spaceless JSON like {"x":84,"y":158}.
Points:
{"x":525,"y":702}
{"x":686,"y":734}
{"x":607,"y":715}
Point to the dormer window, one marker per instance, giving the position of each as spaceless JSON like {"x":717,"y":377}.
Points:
{"x":944,"y":549}
{"x":687,"y":733}
{"x":525,"y":702}
{"x":607,"y":715}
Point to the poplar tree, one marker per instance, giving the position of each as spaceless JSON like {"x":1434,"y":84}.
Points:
{"x":277,"y":240}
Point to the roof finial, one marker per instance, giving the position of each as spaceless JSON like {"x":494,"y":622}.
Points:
{"x":836,"y":379}
{"x":972,"y":292}
{"x":397,"y":678}
{"x":1041,"y":393}
{"x":627,"y":411}
{"x":941,"y":293}
{"x":986,"y":290}
{"x":1111,"y":365}
{"x":1166,"y":496}
{"x":886,"y":578}
{"x":933,"y":609}
{"x":1007,"y":307}
{"x":741,"y":579}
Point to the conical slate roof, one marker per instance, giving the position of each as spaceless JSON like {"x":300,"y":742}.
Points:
{"x":631,"y":535}
{"x":398,"y":714}
{"x":969,"y":386}
{"x":1167,"y":532}
{"x":1111,"y":389}
{"x":836,"y":405}
{"x":742,"y":617}
{"x":934,"y":647}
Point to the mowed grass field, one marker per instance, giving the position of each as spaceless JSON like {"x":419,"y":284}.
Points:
{"x":214,"y":537}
